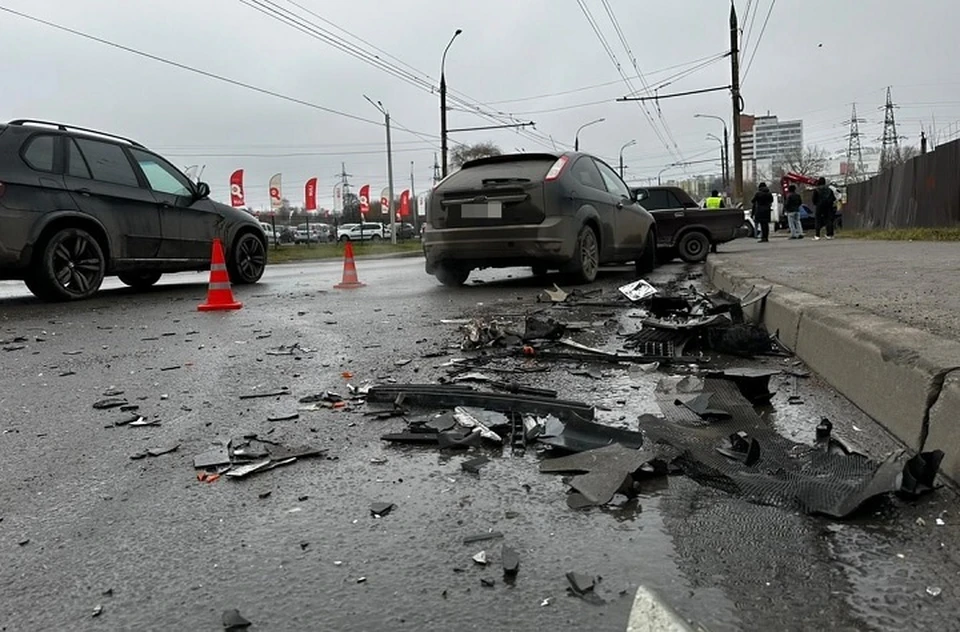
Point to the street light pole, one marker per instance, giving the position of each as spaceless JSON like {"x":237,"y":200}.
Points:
{"x":386,"y":120}
{"x":630,"y":144}
{"x":576,"y":139}
{"x":726,"y":147}
{"x":660,"y":175}
{"x":723,"y":170}
{"x":443,"y":106}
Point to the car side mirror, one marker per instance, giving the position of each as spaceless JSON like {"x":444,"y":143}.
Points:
{"x":203,"y":190}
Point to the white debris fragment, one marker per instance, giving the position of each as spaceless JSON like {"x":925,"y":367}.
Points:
{"x":934,"y":591}
{"x":467,"y":420}
{"x":921,"y":522}
{"x":481,"y":558}
{"x":940,"y":522}
{"x":638,"y":290}
{"x":545,"y":602}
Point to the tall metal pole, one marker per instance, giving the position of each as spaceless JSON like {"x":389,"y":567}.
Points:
{"x":443,"y":105}
{"x":726,"y":158}
{"x":630,"y":144}
{"x":413,"y":202}
{"x":393,"y":216}
{"x":737,"y":104}
{"x":576,"y":138}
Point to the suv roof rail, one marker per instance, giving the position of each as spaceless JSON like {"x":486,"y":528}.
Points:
{"x":66,"y":128}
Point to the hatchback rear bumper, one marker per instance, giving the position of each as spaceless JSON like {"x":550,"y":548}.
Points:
{"x":551,"y":242}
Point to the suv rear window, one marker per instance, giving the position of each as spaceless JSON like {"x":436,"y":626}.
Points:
{"x":108,"y":162}
{"x":38,"y":154}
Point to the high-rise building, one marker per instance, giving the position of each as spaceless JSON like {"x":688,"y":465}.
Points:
{"x":766,"y":139}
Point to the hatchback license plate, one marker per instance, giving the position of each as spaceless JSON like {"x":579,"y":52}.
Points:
{"x":490,"y":210}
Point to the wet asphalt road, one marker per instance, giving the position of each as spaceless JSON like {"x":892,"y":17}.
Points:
{"x":83,"y":525}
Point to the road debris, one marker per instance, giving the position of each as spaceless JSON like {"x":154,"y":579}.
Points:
{"x":473,"y":466}
{"x":482,"y":537}
{"x":288,"y":417}
{"x":542,"y":329}
{"x":381,"y":509}
{"x":480,"y":558}
{"x":106,"y":404}
{"x":638,"y":290}
{"x":233,"y":620}
{"x":274,"y":393}
{"x":250,"y":455}
{"x":556,"y":295}
{"x":289,"y":350}
{"x":582,"y":586}
{"x":934,"y":591}
{"x":97,"y":611}
{"x":510,"y":560}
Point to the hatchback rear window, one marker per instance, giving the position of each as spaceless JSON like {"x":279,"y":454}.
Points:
{"x":38,"y":154}
{"x":505,"y":172}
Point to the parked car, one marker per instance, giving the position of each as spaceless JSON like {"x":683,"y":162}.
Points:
{"x":302,"y":236}
{"x":368,"y":231}
{"x":685,"y":229}
{"x":569,"y":212}
{"x":319,"y":232}
{"x":808,"y":220}
{"x":77,"y":205}
{"x":273,"y":236}
{"x":405,"y":231}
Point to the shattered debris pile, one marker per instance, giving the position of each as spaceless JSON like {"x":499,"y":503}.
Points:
{"x":248,"y":455}
{"x":725,"y":444}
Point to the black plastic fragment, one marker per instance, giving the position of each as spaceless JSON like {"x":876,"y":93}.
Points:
{"x":577,"y":435}
{"x":510,"y":560}
{"x":427,"y":438}
{"x":482,"y":537}
{"x":459,"y":439}
{"x":742,"y":447}
{"x":543,"y":329}
{"x":920,"y":473}
{"x":265,"y":394}
{"x":381,"y":509}
{"x":105,"y":404}
{"x":473,"y":466}
{"x":233,"y":620}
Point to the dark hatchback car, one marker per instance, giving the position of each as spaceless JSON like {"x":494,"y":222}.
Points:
{"x":77,"y":205}
{"x":569,"y":212}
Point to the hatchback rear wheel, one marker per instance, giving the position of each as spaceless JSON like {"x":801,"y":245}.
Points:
{"x":71,"y":266}
{"x":586,"y":257}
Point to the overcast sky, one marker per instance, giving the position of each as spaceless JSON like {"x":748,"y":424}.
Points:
{"x":510,"y":51}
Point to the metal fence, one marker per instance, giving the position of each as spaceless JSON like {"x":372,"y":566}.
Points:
{"x":923,"y":192}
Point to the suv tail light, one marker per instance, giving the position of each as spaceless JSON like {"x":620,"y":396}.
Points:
{"x":556,"y":169}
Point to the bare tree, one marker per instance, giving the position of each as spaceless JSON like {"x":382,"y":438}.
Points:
{"x":465,"y":153}
{"x":808,"y":161}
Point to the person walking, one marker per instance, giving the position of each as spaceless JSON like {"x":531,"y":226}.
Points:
{"x":762,"y":205}
{"x":825,"y":203}
{"x":791,"y":207}
{"x":714,"y":201}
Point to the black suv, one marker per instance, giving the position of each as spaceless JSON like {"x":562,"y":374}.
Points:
{"x":77,"y":205}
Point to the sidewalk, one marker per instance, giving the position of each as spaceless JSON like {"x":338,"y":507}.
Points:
{"x":879,"y":321}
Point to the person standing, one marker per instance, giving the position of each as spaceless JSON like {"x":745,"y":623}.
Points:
{"x":791,"y":207}
{"x":762,"y":205}
{"x":825,"y":203}
{"x":714,"y":201}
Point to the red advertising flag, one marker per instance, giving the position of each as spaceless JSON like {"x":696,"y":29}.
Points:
{"x":310,"y":193}
{"x":405,"y":203}
{"x":236,"y":189}
{"x":365,"y":199}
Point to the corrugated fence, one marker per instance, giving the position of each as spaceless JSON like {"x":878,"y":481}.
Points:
{"x":922,"y":192}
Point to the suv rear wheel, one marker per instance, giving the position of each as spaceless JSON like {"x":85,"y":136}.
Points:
{"x":139,"y":280}
{"x":70,"y":266}
{"x":452,"y":275}
{"x":586,"y":257}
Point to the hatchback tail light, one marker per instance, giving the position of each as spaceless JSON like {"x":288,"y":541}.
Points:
{"x":556,"y":169}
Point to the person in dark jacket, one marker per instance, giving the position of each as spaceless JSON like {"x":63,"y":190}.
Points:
{"x":762,"y":205}
{"x":825,"y":203}
{"x":791,"y":207}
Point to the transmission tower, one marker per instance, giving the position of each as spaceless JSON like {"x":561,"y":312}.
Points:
{"x":890,"y":153}
{"x":343,"y":175}
{"x":436,"y":170}
{"x":854,"y":150}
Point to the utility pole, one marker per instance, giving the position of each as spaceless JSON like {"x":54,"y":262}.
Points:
{"x":386,"y":120}
{"x":854,"y":149}
{"x":443,"y":104}
{"x":413,"y":202}
{"x":737,"y":104}
{"x":890,"y":153}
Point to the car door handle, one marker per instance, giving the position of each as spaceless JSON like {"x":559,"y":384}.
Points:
{"x":84,"y":192}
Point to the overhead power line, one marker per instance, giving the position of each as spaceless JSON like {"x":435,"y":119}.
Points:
{"x":763,"y":30}
{"x":189,"y":68}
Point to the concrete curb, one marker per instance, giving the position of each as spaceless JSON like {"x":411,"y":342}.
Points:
{"x":905,"y":378}
{"x":651,"y":614}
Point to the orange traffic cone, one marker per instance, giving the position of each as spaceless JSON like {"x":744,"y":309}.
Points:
{"x":219,"y":296}
{"x":350,"y":280}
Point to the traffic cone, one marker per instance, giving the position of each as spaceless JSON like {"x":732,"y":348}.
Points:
{"x":350,"y":280}
{"x":219,"y":295}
